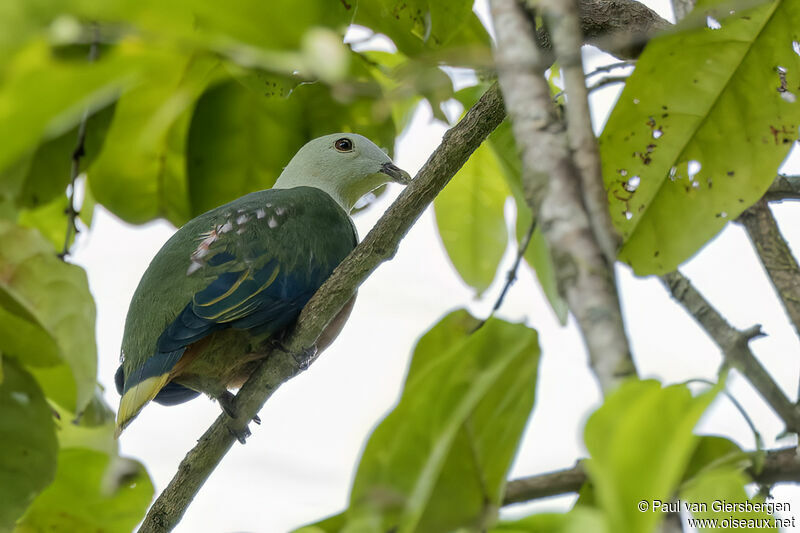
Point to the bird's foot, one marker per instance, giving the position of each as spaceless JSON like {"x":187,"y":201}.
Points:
{"x":240,"y":435}
{"x":306,"y":357}
{"x":302,"y":359}
{"x":227,"y":401}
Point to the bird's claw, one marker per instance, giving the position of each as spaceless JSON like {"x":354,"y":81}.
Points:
{"x":306,"y":357}
{"x":227,"y":402}
{"x":242,"y":435}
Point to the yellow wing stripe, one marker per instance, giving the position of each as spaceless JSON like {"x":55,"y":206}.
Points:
{"x":238,"y":313}
{"x":239,"y":281}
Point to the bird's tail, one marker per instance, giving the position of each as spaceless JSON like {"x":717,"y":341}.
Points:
{"x":143,"y":384}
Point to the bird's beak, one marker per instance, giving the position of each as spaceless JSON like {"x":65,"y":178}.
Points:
{"x":397,"y":174}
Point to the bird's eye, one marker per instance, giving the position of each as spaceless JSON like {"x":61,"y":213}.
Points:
{"x":344,"y":145}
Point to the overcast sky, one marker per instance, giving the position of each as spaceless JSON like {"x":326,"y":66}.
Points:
{"x":299,"y":463}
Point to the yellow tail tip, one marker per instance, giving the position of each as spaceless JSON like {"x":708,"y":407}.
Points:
{"x":136,"y":398}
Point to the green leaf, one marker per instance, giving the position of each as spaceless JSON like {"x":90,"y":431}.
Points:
{"x":91,"y":492}
{"x":28,"y":445}
{"x":470,"y":219}
{"x":141,"y":173}
{"x":50,"y":168}
{"x":727,"y":485}
{"x":244,"y":132}
{"x":700,"y":130}
{"x":578,"y":520}
{"x":424,"y":27}
{"x":43,"y":96}
{"x":640,"y":442}
{"x":236,"y":27}
{"x":439,"y":460}
{"x":49,"y":301}
{"x":715,"y":452}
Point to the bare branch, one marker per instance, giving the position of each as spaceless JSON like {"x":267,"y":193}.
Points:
{"x":553,"y":190}
{"x":734,"y":345}
{"x":681,"y":8}
{"x":783,"y":188}
{"x":619,"y":27}
{"x":607,"y":80}
{"x":379,"y":245}
{"x":780,"y":466}
{"x":775,"y":256}
{"x":563,"y":22}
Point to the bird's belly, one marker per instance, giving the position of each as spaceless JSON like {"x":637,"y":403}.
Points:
{"x":226,"y":358}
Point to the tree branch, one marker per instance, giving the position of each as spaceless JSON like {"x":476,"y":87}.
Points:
{"x":780,"y":466}
{"x":783,"y":188}
{"x":775,"y":256}
{"x":379,"y":245}
{"x":563,"y":22}
{"x":553,"y":190}
{"x":734,"y":345}
{"x":620,"y":27}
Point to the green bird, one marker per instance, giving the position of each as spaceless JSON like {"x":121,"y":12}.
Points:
{"x":236,"y":277}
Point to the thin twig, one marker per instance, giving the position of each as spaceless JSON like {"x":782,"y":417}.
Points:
{"x":734,"y":345}
{"x":379,"y":245}
{"x":776,"y":257}
{"x":611,"y":66}
{"x":77,"y":153}
{"x":780,"y":466}
{"x":738,"y":406}
{"x":608,"y":80}
{"x":511,"y":276}
{"x":783,"y":188}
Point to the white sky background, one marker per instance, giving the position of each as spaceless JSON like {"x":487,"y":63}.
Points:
{"x":298,"y":465}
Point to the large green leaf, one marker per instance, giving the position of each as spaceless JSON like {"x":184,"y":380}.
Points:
{"x":141,"y":173}
{"x":45,"y":304}
{"x":28,"y":445}
{"x":244,"y":132}
{"x":44,"y":95}
{"x":439,"y":460}
{"x":700,"y":129}
{"x":640,"y":442}
{"x":92,"y":492}
{"x":469,"y":215}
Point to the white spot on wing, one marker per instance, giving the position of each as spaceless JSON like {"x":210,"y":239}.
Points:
{"x":226,"y":227}
{"x":194,"y":267}
{"x":261,"y":213}
{"x":272,"y":223}
{"x":241,"y":219}
{"x":280,"y":211}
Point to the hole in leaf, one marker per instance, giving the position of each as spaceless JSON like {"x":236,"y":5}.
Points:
{"x":672,"y":173}
{"x":635,"y":100}
{"x":693,"y":168}
{"x":623,"y":172}
{"x":657,"y":133}
{"x":632,"y":184}
{"x":628,"y":215}
{"x":796,"y":47}
{"x":713,"y":23}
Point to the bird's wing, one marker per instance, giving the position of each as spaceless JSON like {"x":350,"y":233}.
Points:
{"x":253,"y":266}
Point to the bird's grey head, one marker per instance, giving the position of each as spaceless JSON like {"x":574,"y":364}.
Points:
{"x":345,"y":165}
